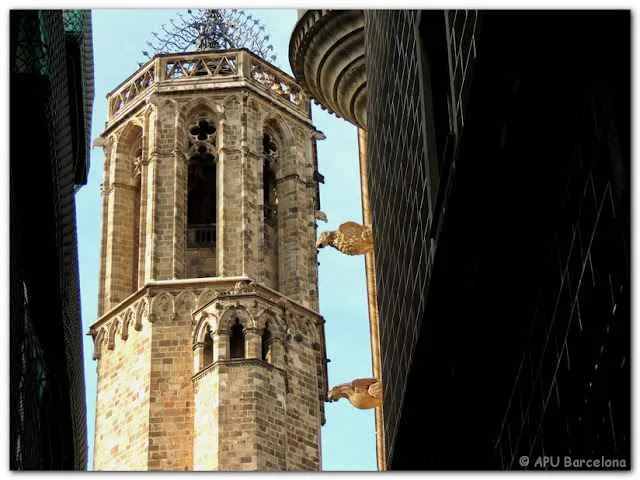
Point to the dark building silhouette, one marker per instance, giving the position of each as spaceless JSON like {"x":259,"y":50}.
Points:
{"x":498,"y":155}
{"x":51,"y":88}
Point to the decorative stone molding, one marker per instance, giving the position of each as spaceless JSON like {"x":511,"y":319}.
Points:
{"x":158,"y":100}
{"x":363,"y":393}
{"x":142,"y":313}
{"x":100,"y":142}
{"x":326,"y":53}
{"x":113,"y":330}
{"x":205,"y":297}
{"x":239,"y":288}
{"x":162,"y":307}
{"x":98,"y":341}
{"x":128,"y":319}
{"x":190,"y":108}
{"x":183,"y":71}
{"x":351,"y":238}
{"x":185,"y":303}
{"x":204,"y":321}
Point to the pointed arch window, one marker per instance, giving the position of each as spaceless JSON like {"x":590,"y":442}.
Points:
{"x":270,"y":158}
{"x":207,"y":351}
{"x":137,"y":211}
{"x":202,"y":183}
{"x":236,"y":341}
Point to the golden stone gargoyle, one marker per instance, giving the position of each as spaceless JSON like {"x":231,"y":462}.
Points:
{"x":351,"y":238}
{"x":363,"y":393}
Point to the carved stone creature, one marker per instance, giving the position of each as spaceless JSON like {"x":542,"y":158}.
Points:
{"x":320,"y":215}
{"x":240,"y":287}
{"x":363,"y":393}
{"x":351,"y":238}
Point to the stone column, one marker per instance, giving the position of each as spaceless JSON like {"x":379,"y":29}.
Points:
{"x":220,"y":345}
{"x":277,"y":352}
{"x":120,"y":248}
{"x":230,"y":201}
{"x":252,"y":343}
{"x":162,"y":195}
{"x":198,"y":357}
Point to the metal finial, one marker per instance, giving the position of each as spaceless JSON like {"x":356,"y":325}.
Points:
{"x":212,"y":29}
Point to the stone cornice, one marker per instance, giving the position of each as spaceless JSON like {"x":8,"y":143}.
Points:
{"x":236,"y":362}
{"x":326,"y":53}
{"x":154,"y":287}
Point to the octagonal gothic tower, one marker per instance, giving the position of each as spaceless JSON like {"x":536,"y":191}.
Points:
{"x":209,"y":345}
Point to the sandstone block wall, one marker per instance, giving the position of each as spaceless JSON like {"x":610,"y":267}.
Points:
{"x":123,"y":400}
{"x":200,"y":262}
{"x":171,"y":397}
{"x":251,"y":416}
{"x":303,"y":415}
{"x":161,"y":408}
{"x":206,"y":430}
{"x":248,"y":414}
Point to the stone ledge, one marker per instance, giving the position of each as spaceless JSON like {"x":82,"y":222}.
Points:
{"x":233,"y":362}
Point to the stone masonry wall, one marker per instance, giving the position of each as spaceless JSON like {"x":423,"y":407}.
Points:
{"x":171,"y":411}
{"x":252,"y":193}
{"x":200,"y":262}
{"x":122,"y":403}
{"x":163,"y":191}
{"x":303,"y":414}
{"x":230,"y":199}
{"x":270,"y":256}
{"x":205,"y":430}
{"x":122,"y":222}
{"x":251,"y":416}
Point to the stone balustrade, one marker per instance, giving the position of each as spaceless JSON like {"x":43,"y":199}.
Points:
{"x":237,"y":67}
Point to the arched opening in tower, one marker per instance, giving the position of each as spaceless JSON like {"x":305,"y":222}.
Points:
{"x":270,"y":210}
{"x":125,"y":244}
{"x":201,"y":200}
{"x":207,"y":353}
{"x":137,"y":224}
{"x":236,"y":341}
{"x":266,"y":344}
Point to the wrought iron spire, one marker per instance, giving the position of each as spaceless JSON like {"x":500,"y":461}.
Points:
{"x":212,"y":29}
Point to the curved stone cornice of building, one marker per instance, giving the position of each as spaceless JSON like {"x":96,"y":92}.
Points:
{"x":326,"y":53}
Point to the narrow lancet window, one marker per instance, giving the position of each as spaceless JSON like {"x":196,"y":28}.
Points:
{"x":201,"y":200}
{"x":270,"y":152}
{"x":207,"y":354}
{"x":266,"y":345}
{"x":236,"y":341}
{"x":270,"y":158}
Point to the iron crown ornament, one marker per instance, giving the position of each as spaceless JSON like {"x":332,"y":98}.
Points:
{"x":212,"y":29}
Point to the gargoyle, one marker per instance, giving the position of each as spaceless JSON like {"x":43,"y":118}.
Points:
{"x":351,"y":238}
{"x":320,"y":215}
{"x":363,"y":393}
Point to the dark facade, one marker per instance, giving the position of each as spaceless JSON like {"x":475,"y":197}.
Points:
{"x":499,"y":166}
{"x":51,"y":88}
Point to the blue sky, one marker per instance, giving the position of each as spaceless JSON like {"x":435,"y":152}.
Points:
{"x":119,"y":36}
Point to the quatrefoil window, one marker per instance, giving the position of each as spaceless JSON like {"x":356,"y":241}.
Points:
{"x":203,"y":130}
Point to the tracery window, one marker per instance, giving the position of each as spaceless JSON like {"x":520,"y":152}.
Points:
{"x":202,"y":181}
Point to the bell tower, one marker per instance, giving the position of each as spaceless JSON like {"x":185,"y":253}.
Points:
{"x":209,"y":345}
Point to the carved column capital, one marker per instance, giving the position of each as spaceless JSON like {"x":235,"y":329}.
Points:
{"x":252,"y":331}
